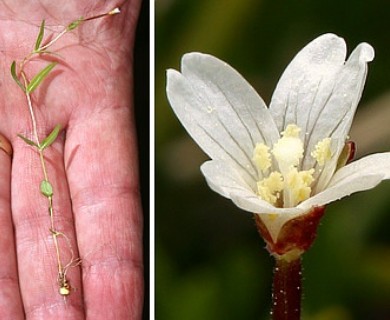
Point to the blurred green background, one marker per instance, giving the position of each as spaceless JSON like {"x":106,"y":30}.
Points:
{"x":210,"y":262}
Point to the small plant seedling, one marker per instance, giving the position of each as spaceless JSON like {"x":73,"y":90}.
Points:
{"x":28,"y":85}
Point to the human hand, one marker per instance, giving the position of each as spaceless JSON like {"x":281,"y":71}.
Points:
{"x":92,"y":166}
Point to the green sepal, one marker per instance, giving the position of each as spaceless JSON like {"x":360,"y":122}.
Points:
{"x":74,"y":24}
{"x":15,"y":77}
{"x":46,"y":188}
{"x":28,"y":141}
{"x":39,"y":77}
{"x":51,"y":137}
{"x":40,"y":36}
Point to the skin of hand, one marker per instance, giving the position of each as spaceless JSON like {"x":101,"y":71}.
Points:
{"x":92,"y":165}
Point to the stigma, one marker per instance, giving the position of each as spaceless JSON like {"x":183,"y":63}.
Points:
{"x":286,"y":185}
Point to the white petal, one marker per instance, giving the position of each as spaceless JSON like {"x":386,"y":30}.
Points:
{"x":220,"y":110}
{"x":232,"y":97}
{"x":336,"y":117}
{"x":307,"y":82}
{"x":374,"y":164}
{"x":228,"y":182}
{"x":359,"y":175}
{"x":320,"y":93}
{"x":224,"y":179}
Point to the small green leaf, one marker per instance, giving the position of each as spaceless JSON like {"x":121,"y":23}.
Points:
{"x":15,"y":77}
{"x":46,"y":188}
{"x":51,"y":137}
{"x":40,"y":36}
{"x":39,"y":77}
{"x":74,"y":24}
{"x":28,"y":141}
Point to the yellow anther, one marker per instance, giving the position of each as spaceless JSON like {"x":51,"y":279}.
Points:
{"x":269,"y":188}
{"x":322,"y":152}
{"x":292,"y":131}
{"x":261,"y":157}
{"x":298,"y":183}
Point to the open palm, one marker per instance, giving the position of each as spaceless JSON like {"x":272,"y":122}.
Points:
{"x":92,"y":165}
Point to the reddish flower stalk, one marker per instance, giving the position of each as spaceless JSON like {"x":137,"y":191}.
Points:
{"x":295,"y":237}
{"x":287,"y":290}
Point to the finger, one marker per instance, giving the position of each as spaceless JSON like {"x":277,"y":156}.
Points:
{"x":10,"y":301}
{"x":103,"y":180}
{"x":36,"y":252}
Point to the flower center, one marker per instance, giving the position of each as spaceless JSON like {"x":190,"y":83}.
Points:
{"x":287,"y":186}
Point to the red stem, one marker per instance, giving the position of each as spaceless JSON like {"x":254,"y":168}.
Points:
{"x":287,"y":290}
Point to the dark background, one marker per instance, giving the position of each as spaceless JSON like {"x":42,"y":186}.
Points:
{"x":210,"y":262}
{"x":141,"y":102}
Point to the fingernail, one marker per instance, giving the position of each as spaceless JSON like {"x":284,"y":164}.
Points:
{"x":5,"y":145}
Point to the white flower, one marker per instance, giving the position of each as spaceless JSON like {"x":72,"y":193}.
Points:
{"x":279,"y":162}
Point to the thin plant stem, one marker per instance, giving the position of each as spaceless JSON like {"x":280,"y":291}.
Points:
{"x":287,"y":290}
{"x":64,"y":286}
{"x":55,"y":234}
{"x":66,"y":29}
{"x":54,"y":40}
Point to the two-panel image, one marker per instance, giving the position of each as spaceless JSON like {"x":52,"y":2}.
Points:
{"x":186,"y":160}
